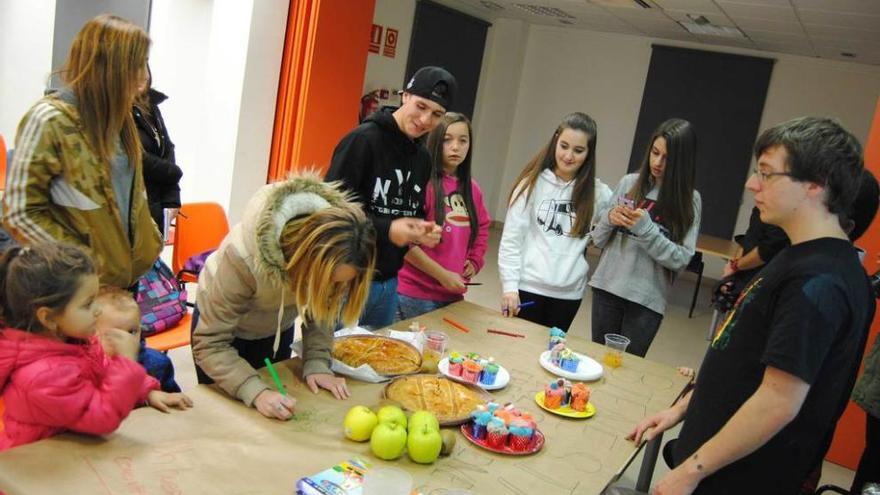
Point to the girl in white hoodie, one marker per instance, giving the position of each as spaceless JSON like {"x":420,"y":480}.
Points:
{"x":542,"y":257}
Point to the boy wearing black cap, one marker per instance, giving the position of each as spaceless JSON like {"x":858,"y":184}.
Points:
{"x":384,"y":162}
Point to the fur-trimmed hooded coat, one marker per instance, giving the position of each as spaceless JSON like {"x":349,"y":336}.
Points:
{"x":241,"y":287}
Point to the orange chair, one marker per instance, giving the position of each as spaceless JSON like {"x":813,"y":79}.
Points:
{"x":198,"y":228}
{"x":179,"y":336}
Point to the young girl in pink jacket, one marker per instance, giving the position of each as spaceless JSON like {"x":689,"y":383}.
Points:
{"x":435,"y":277}
{"x":54,"y":372}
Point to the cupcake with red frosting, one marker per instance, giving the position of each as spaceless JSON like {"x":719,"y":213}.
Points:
{"x":497,"y":432}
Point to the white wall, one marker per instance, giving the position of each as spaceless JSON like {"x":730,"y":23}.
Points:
{"x":26,"y":28}
{"x":565,"y":71}
{"x":805,"y":86}
{"x":256,"y":120}
{"x":385,"y":72}
{"x":219,"y":62}
{"x":500,"y":81}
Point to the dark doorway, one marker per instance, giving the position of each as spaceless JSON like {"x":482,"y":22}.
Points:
{"x":447,"y":38}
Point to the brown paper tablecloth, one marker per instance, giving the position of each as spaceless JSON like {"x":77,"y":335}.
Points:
{"x":221,"y":446}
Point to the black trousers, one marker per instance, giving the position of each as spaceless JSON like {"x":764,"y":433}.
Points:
{"x":614,"y":314}
{"x":548,"y":311}
{"x":252,"y":351}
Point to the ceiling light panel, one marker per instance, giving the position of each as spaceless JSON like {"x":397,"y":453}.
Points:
{"x":544,"y":11}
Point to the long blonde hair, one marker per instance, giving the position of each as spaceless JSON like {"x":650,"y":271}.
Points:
{"x":314,"y":247}
{"x":102,"y":68}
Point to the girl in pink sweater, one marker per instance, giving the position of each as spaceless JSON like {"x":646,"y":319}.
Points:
{"x":54,"y":372}
{"x":435,"y":277}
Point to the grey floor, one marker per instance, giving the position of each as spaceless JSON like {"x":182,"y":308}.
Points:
{"x":681,"y":341}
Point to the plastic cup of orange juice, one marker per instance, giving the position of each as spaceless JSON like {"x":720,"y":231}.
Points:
{"x":433,"y":350}
{"x":615,"y":347}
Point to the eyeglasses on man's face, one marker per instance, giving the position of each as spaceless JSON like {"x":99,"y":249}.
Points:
{"x":765,"y":177}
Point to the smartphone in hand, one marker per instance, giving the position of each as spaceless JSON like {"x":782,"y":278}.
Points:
{"x":624,"y":201}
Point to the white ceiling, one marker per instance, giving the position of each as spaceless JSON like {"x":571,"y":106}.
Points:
{"x":814,"y":28}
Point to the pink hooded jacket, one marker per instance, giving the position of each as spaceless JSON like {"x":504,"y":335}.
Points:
{"x":49,"y":386}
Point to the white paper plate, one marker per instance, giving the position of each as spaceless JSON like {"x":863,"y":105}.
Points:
{"x":501,"y":379}
{"x":588,"y":368}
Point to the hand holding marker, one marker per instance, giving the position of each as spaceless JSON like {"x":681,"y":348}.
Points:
{"x":521,"y":305}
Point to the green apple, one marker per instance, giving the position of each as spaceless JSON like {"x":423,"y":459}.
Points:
{"x":392,"y":414}
{"x":388,"y":441}
{"x":424,"y":444}
{"x":420,"y":418}
{"x":359,"y":423}
{"x":448,"y":437}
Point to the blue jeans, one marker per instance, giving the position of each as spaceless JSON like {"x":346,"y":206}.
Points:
{"x":410,"y":307}
{"x":381,"y":307}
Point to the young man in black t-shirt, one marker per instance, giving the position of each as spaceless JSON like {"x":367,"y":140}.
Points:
{"x":780,"y":368}
{"x":384,"y":163}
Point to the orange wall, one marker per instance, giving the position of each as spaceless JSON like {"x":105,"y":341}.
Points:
{"x":325,"y":57}
{"x":849,"y":438}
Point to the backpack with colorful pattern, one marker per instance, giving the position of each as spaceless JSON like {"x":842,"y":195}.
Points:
{"x":161,"y":298}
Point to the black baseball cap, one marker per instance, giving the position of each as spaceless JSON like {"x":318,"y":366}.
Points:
{"x":435,"y":84}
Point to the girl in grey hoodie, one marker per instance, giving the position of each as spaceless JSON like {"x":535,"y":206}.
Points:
{"x":648,"y":235}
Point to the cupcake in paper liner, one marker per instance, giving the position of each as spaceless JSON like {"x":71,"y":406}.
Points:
{"x":529,"y":419}
{"x":553,"y":396}
{"x":565,"y":385}
{"x":481,"y":419}
{"x":555,"y":353}
{"x":556,"y":336}
{"x":490,"y":372}
{"x":569,"y":361}
{"x":470,"y":371}
{"x":580,"y":397}
{"x":496,"y":434}
{"x":520,"y":435}
{"x":504,"y":415}
{"x":554,"y":341}
{"x":455,"y":364}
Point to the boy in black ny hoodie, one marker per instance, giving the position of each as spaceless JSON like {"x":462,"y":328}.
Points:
{"x":384,"y":162}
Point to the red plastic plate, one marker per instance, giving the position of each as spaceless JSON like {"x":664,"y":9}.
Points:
{"x":536,"y":445}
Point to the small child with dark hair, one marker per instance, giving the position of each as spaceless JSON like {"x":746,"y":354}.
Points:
{"x":57,"y":373}
{"x":119,"y":310}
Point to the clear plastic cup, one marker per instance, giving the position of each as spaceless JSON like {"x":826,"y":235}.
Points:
{"x":433,"y":350}
{"x":616,"y":345}
{"x":387,"y":481}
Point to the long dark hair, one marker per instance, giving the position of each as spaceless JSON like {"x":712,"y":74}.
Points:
{"x":675,"y":201}
{"x":462,"y":172}
{"x":585,"y":180}
{"x":45,"y":274}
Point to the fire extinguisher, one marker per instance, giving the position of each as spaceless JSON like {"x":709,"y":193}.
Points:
{"x":369,"y":104}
